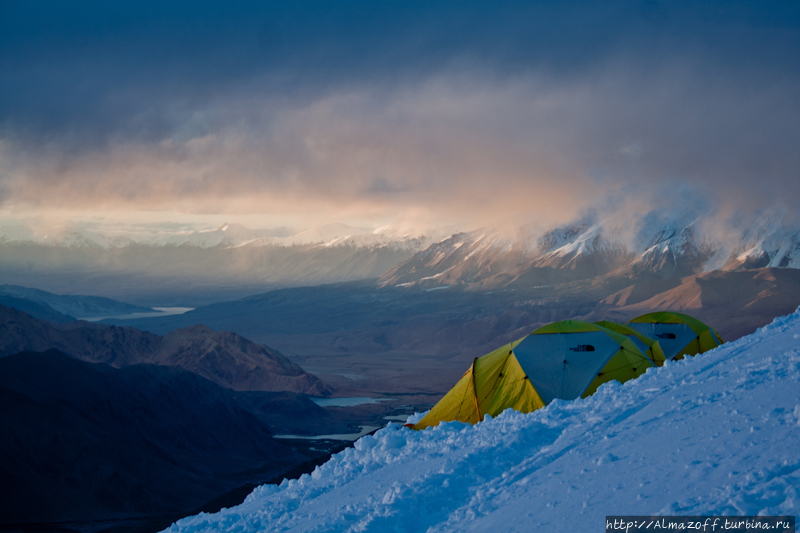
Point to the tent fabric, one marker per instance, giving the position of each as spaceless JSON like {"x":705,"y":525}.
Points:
{"x":626,"y":361}
{"x":625,"y":364}
{"x":565,"y":360}
{"x":561,"y":365}
{"x":649,"y":347}
{"x":678,"y":334}
{"x":492,"y":384}
{"x":671,"y":317}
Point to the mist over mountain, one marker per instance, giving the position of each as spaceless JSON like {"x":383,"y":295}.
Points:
{"x":182,"y":267}
{"x":190,"y":268}
{"x":646,"y":248}
{"x":226,"y":235}
{"x":457,"y":298}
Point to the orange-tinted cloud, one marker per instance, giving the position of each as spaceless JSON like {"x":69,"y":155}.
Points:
{"x":530,"y":114}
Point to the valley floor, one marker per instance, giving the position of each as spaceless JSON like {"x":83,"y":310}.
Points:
{"x":365,"y":341}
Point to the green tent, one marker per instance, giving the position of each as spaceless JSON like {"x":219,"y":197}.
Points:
{"x":648,"y":346}
{"x":678,"y":334}
{"x":566,"y":360}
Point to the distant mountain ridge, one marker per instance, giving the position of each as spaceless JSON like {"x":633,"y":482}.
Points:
{"x":192,"y":268}
{"x":227,"y":359}
{"x":38,"y":310}
{"x":226,"y":236}
{"x":586,"y":249}
{"x":71,"y":306}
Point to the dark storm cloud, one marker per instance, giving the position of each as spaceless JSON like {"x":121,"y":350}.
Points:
{"x":138,"y":100}
{"x":140,"y":68}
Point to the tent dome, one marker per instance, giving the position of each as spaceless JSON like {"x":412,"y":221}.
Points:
{"x":567,"y":360}
{"x":678,"y":334}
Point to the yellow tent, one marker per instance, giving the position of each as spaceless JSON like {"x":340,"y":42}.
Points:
{"x":566,"y":360}
{"x":678,"y":334}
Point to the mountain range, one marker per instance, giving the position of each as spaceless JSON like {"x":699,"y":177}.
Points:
{"x":226,"y":235}
{"x":368,"y":340}
{"x":227,"y":359}
{"x":180,"y":267}
{"x":72,"y":306}
{"x":194,"y":268}
{"x":405,"y":335}
{"x":483,"y":260}
{"x":103,"y":423}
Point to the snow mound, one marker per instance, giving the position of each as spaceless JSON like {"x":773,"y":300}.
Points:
{"x":716,"y":434}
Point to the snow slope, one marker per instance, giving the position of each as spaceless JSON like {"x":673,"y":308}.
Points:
{"x":715,"y":434}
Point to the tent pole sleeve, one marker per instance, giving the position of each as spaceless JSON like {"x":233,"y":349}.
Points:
{"x":475,"y":392}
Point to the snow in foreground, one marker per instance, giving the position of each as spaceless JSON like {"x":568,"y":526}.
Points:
{"x":717,"y":434}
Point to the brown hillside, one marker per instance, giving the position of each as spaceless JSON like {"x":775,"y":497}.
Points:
{"x":734,"y":303}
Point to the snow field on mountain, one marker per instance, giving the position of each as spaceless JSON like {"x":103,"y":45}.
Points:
{"x":716,"y":434}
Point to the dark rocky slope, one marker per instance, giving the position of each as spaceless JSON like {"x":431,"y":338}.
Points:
{"x":228,"y":359}
{"x":87,"y":441}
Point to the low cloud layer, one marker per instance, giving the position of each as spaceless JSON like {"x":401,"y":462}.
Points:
{"x":454,"y":114}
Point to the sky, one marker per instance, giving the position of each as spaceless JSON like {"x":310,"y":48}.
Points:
{"x":393,"y":112}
